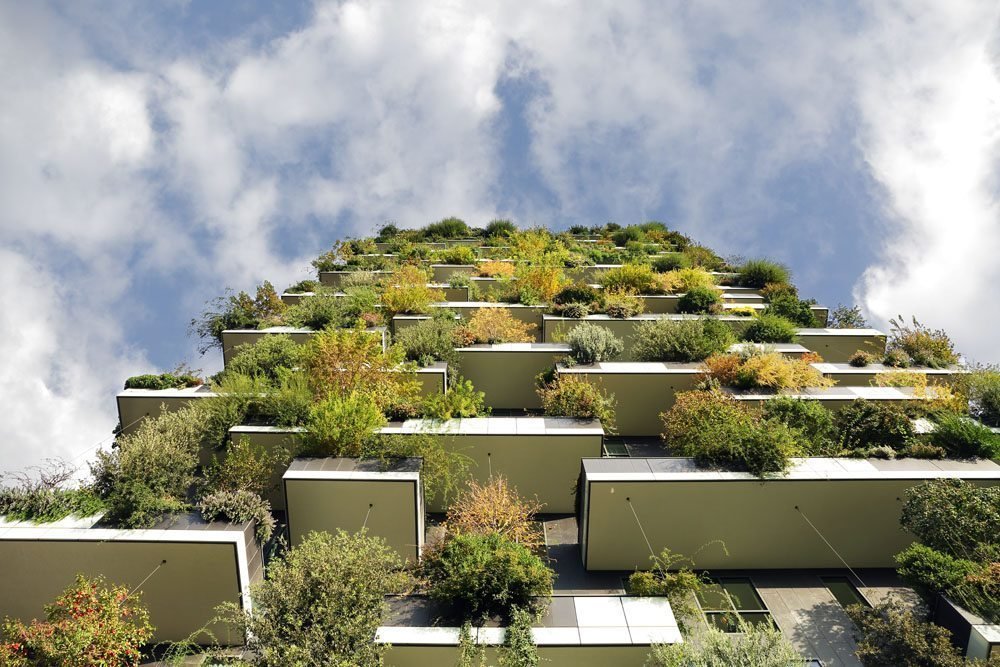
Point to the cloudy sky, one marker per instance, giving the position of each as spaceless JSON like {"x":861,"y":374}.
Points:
{"x":152,"y":156}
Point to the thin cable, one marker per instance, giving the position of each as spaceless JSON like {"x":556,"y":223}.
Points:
{"x":827,"y":542}
{"x":365,"y":524}
{"x":489,"y":462}
{"x":641,"y":529}
{"x":155,"y":570}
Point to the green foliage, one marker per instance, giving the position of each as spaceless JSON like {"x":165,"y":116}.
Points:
{"x":458,"y":254}
{"x":285,"y":403}
{"x":341,"y":424}
{"x":247,"y":466}
{"x":890,"y":636}
{"x":162,"y":381}
{"x":621,"y":305}
{"x":236,"y":311}
{"x":150,"y":470}
{"x":470,"y":653}
{"x":671,"y":262}
{"x":896,"y":359}
{"x":953,"y":516}
{"x":584,"y":294}
{"x":448,"y":228}
{"x":500,"y":228}
{"x":322,"y":603}
{"x":792,"y":309}
{"x":983,"y":388}
{"x":570,"y":396}
{"x":442,"y":471}
{"x":90,"y":623}
{"x":755,"y":645}
{"x":519,"y":649}
{"x":590,"y":344}
{"x":864,"y":424}
{"x":672,"y":577}
{"x":42,"y":498}
{"x":681,"y":340}
{"x":847,"y":317}
{"x":636,"y":278}
{"x":757,"y":273}
{"x":718,"y":431}
{"x":931,"y":572}
{"x":480,"y":576}
{"x":303,"y":287}
{"x":460,"y":401}
{"x":770,"y":329}
{"x":962,"y":437}
{"x":700,"y":299}
{"x":326,"y":310}
{"x":239,"y":506}
{"x":809,"y":420}
{"x":924,"y":346}
{"x":860,"y":359}
{"x":429,"y":341}
{"x":623,"y":236}
{"x":266,"y":356}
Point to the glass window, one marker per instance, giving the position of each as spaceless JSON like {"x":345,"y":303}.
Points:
{"x":845,"y":591}
{"x":728,"y":601}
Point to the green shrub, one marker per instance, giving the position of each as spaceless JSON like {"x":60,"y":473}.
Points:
{"x":239,"y":506}
{"x":316,"y":312}
{"x":923,"y":346}
{"x":44,"y":500}
{"x":863,"y":424}
{"x":812,"y":422}
{"x":953,"y":516}
{"x":458,"y":254}
{"x":757,"y":273}
{"x":962,"y":437}
{"x":568,"y":396}
{"x":844,"y":317}
{"x":860,"y":359}
{"x":481,"y":576}
{"x":770,"y":329}
{"x":792,"y":309}
{"x":287,"y":402}
{"x":584,"y":294}
{"x":265,"y":357}
{"x":636,"y":278}
{"x":718,"y":431}
{"x":500,"y":228}
{"x":236,"y":311}
{"x":518,"y":648}
{"x":162,"y":381}
{"x":890,"y":635}
{"x":625,"y":235}
{"x":247,"y":466}
{"x":896,"y":359}
{"x":591,"y":344}
{"x":340,"y":425}
{"x":449,"y":228}
{"x":931,"y":572}
{"x":459,"y":402}
{"x":322,"y":603}
{"x":671,"y":577}
{"x":429,"y":341}
{"x":303,"y":287}
{"x":681,"y":340}
{"x":671,"y":262}
{"x":754,"y":644}
{"x":983,"y":389}
{"x":576,"y":311}
{"x":700,"y":299}
{"x":621,"y":305}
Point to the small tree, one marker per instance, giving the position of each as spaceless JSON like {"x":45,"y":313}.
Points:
{"x":495,"y":507}
{"x":322,"y":604}
{"x":89,"y":624}
{"x":890,"y":636}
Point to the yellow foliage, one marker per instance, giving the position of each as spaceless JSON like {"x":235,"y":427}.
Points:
{"x":494,"y":325}
{"x":494,"y":269}
{"x":765,"y":370}
{"x":541,"y":282}
{"x":679,"y":281}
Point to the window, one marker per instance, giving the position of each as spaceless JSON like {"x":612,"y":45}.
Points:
{"x":728,"y":602}
{"x":845,"y":591}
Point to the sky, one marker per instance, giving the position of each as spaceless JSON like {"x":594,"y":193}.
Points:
{"x":154,"y":154}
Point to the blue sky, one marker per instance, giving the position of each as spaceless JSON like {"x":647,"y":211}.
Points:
{"x":153,"y":155}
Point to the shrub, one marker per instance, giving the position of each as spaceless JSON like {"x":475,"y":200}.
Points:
{"x":239,"y":506}
{"x":429,"y":341}
{"x":287,"y":401}
{"x":317,"y":312}
{"x":923,"y":346}
{"x":621,"y":305}
{"x":448,"y":228}
{"x":494,"y":269}
{"x":812,"y":422}
{"x":931,"y":572}
{"x":42,"y":497}
{"x":458,"y":254}
{"x":341,"y":424}
{"x":637,"y":278}
{"x":864,"y":424}
{"x":770,"y":329}
{"x":718,"y":431}
{"x":704,"y":258}
{"x":239,"y":311}
{"x":757,"y":369}
{"x":896,"y":359}
{"x":685,"y":280}
{"x":537,"y":283}
{"x":682,"y":340}
{"x":890,"y":636}
{"x":247,"y":466}
{"x":757,"y":273}
{"x":699,"y":300}
{"x":90,"y":623}
{"x":847,"y":317}
{"x":303,"y":287}
{"x":494,"y":325}
{"x":792,"y":309}
{"x":962,"y":437}
{"x":265,"y":357}
{"x":460,"y":401}
{"x":625,"y":235}
{"x":860,"y":359}
{"x":671,"y":577}
{"x":518,"y":648}
{"x":591,"y":344}
{"x":339,"y":361}
{"x":577,"y":294}
{"x":409,"y":293}
{"x":754,"y":644}
{"x":481,"y":576}
{"x":671,"y":262}
{"x":162,"y":381}
{"x":572,"y":397}
{"x":495,"y":507}
{"x":500,"y":228}
{"x":576,"y":311}
{"x":772,"y":291}
{"x":322,"y":603}
{"x":953,"y":516}
{"x":983,"y":388}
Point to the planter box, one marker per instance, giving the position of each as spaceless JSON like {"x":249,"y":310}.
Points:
{"x":642,"y":390}
{"x":852,"y":502}
{"x":134,"y":405}
{"x":205,"y":565}
{"x":580,"y":631}
{"x":820,"y":313}
{"x":233,"y":338}
{"x":835,"y":398}
{"x":433,"y":379}
{"x":336,"y":278}
{"x":793,"y":350}
{"x":519,"y":311}
{"x":837,"y":345}
{"x":539,"y":456}
{"x":452,"y":293}
{"x":485,"y":287}
{"x":328,"y":494}
{"x":270,"y":438}
{"x":442,"y":273}
{"x":590,"y":274}
{"x":970,"y":632}
{"x":846,"y":375}
{"x":506,"y":371}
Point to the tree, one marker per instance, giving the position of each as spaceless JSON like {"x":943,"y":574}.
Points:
{"x":891,"y":636}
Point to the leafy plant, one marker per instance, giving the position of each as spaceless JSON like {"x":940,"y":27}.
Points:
{"x":962,"y":437}
{"x":890,"y":635}
{"x":409,"y":293}
{"x":953,"y":516}
{"x":247,"y":466}
{"x":931,"y":572}
{"x":569,"y":396}
{"x":485,"y":575}
{"x":239,"y":311}
{"x":590,"y":344}
{"x":582,"y":294}
{"x":847,"y":317}
{"x":429,"y":341}
{"x":757,"y":369}
{"x":41,"y":496}
{"x":265,"y":357}
{"x":635,"y":278}
{"x":495,"y":269}
{"x":519,"y":649}
{"x":792,"y":309}
{"x":500,"y":227}
{"x":770,"y":329}
{"x":982,"y":385}
{"x":162,"y":381}
{"x":341,"y":424}
{"x":576,"y":311}
{"x":303,"y":287}
{"x":442,"y":470}
{"x":896,"y":359}
{"x":455,"y":255}
{"x":860,"y":359}
{"x":494,"y":325}
{"x":757,"y":273}
{"x":672,"y":577}
{"x":339,"y":361}
{"x":239,"y":506}
{"x":539,"y":283}
{"x":90,"y":623}
{"x":322,"y":603}
{"x":460,"y":401}
{"x":924,"y":346}
{"x":621,"y":305}
{"x":448,"y":228}
{"x":812,"y":423}
{"x":670,"y":262}
{"x":700,"y":300}
{"x":759,"y":645}
{"x":495,"y":507}
{"x":681,"y":340}
{"x":863,"y":424}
